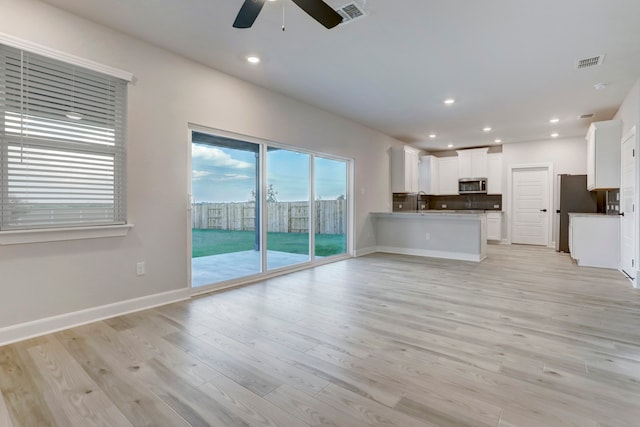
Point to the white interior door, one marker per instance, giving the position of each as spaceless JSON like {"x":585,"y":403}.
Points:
{"x":627,"y":197}
{"x":530,"y":206}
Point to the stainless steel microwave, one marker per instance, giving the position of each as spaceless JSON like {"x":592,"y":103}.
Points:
{"x":472,"y":186}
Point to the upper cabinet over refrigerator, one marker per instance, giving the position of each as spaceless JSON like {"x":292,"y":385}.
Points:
{"x":603,"y":155}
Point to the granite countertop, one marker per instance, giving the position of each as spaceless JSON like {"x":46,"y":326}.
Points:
{"x":593,"y":214}
{"x":432,"y":212}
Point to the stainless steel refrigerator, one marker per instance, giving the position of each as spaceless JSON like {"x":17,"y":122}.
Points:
{"x":573,"y":196}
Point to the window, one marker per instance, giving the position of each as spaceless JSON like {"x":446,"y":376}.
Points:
{"x":62,"y":144}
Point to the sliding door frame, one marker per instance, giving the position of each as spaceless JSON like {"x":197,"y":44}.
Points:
{"x":262,"y":185}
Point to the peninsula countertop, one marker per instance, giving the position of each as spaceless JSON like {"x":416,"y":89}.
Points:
{"x":432,"y":233}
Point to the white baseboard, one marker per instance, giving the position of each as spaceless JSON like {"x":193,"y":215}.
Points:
{"x":366,"y":251}
{"x":48,"y":325}
{"x":431,"y":253}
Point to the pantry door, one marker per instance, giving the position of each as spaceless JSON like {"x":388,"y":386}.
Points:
{"x":531,"y":207}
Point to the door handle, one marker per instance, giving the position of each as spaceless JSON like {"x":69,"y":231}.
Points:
{"x":621,"y":214}
{"x":543,"y":210}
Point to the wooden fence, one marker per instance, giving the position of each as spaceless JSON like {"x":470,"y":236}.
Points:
{"x":284,"y":217}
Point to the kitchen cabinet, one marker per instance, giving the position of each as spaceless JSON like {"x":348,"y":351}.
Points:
{"x":447,"y":175}
{"x":404,"y":169}
{"x":428,"y":176}
{"x":472,"y":163}
{"x":603,"y":155}
{"x":494,"y":173}
{"x":594,"y":239}
{"x":494,"y":226}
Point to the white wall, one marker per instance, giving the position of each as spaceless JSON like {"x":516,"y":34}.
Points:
{"x":629,"y":111}
{"x":567,"y":156}
{"x":48,"y":279}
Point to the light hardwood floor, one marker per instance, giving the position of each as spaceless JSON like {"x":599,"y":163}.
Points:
{"x":525,"y":338}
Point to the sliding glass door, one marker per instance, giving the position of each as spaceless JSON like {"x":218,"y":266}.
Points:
{"x":288,"y":208}
{"x":225,"y":229}
{"x":331,"y":209}
{"x":258,"y":207}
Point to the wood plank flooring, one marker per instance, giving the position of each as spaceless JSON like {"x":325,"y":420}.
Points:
{"x":525,"y":338}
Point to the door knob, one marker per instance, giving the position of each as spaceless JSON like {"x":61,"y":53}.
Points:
{"x":543,"y":210}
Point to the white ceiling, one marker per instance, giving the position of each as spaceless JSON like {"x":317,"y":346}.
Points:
{"x":509,"y":64}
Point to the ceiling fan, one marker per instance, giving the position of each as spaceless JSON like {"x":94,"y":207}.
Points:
{"x":317,"y":9}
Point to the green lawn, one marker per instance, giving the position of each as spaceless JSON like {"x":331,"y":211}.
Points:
{"x":215,"y":242}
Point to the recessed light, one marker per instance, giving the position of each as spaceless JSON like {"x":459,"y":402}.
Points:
{"x":253,"y":59}
{"x":432,"y":135}
{"x":555,"y":135}
{"x":449,"y":101}
{"x":486,"y":129}
{"x":497,"y":141}
{"x":554,"y":120}
{"x":450,"y":146}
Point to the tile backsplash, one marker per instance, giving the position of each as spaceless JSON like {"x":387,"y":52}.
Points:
{"x":467,"y":201}
{"x":612,"y":204}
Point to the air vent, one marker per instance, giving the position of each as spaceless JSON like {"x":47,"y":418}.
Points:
{"x":586,"y":116}
{"x":350,"y":12}
{"x":594,"y":61}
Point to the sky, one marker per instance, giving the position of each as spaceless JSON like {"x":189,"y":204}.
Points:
{"x":227,"y":175}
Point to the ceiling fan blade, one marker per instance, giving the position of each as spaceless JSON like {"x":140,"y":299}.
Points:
{"x":248,"y":13}
{"x":320,"y":11}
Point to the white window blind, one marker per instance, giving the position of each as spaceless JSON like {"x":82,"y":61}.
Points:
{"x":62,"y":144}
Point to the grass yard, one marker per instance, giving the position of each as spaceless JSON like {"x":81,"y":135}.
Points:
{"x":207,"y":242}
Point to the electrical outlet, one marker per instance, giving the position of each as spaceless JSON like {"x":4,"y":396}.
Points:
{"x":140,"y":270}
{"x":444,"y":206}
{"x":427,"y":236}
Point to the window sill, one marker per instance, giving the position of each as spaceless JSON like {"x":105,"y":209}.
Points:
{"x":61,"y":234}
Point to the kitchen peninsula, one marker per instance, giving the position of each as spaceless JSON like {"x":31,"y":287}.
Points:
{"x":460,"y":235}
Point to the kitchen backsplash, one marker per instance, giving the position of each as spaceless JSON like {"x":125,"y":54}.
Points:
{"x":612,"y":206}
{"x":468,"y":201}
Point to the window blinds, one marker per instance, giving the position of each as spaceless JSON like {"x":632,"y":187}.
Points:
{"x":62,"y":144}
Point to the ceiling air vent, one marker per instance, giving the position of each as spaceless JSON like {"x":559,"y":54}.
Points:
{"x":586,"y":116}
{"x":589,"y":62}
{"x":350,"y":11}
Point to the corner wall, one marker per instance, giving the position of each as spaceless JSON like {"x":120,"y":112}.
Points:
{"x":52,"y":279}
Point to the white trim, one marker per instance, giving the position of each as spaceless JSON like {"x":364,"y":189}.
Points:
{"x":39,"y":49}
{"x":42,"y":235}
{"x":366,"y":251}
{"x":52,"y":324}
{"x":431,"y":253}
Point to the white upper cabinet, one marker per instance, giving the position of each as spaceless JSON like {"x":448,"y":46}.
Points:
{"x":603,"y":155}
{"x":404,"y":169}
{"x":472,"y":163}
{"x":447,"y":175}
{"x":494,"y":173}
{"x":429,"y":175}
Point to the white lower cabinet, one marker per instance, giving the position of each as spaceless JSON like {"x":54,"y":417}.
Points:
{"x":594,"y":239}
{"x":494,"y":226}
